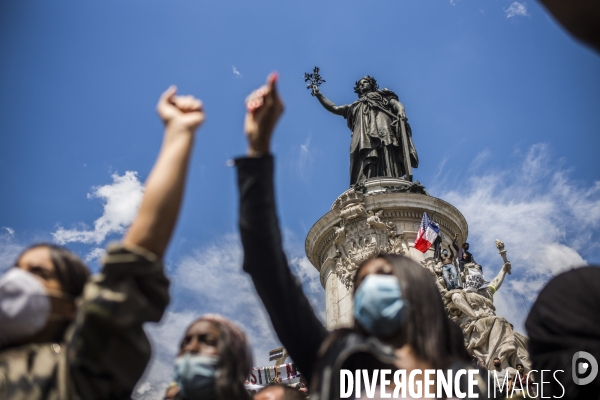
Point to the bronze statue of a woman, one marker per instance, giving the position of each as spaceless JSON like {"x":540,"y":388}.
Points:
{"x":381,"y":136}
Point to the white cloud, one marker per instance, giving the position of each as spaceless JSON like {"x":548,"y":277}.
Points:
{"x":9,"y":250}
{"x":516,"y":9}
{"x":307,"y":273}
{"x":165,"y":338}
{"x":121,"y":200}
{"x":237,"y":73}
{"x":143,"y":388}
{"x":441,"y":169}
{"x":10,"y":231}
{"x":94,"y":254}
{"x":538,"y":212}
{"x":303,"y":158}
{"x":210,"y":280}
{"x":306,"y":157}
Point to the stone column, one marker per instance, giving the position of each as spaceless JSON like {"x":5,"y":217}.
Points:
{"x":382,"y":215}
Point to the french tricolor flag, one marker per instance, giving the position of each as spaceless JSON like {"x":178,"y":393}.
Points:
{"x":428,"y":232}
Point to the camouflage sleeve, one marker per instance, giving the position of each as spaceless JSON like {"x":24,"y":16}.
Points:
{"x":108,"y":349}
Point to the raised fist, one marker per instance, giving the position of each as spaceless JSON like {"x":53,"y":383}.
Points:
{"x":264,"y":107}
{"x":184,"y":112}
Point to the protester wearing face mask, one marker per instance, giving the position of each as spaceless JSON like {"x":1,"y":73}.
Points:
{"x":63,"y":338}
{"x":37,"y":297}
{"x":501,"y":377}
{"x":213,"y":363}
{"x":400,"y":321}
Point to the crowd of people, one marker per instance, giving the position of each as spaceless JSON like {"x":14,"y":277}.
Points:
{"x":457,"y":271}
{"x":508,"y":380}
{"x":65,"y":334}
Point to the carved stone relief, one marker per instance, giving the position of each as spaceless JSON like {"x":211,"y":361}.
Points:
{"x":352,"y":211}
{"x":349,"y":196}
{"x":362,"y":235}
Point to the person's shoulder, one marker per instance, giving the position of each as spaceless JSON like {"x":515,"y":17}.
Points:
{"x":36,"y":362}
{"x":31,"y":349}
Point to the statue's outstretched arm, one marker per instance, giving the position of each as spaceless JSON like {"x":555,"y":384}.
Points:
{"x":328,"y":104}
{"x":497,"y":281}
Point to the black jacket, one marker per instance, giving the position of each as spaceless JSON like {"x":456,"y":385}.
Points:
{"x":293,"y":318}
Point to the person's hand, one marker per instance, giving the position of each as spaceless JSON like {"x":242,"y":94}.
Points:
{"x":315,"y":90}
{"x":264,"y":107}
{"x":456,"y":236}
{"x":180,"y":112}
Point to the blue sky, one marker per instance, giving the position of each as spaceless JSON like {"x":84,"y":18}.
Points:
{"x":502,"y":102}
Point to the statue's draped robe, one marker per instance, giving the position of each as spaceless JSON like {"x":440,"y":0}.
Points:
{"x":376,"y":146}
{"x":491,"y":335}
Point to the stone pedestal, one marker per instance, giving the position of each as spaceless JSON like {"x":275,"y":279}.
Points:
{"x":384,"y":214}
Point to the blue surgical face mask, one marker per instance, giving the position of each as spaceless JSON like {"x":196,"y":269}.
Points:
{"x":378,"y":305}
{"x":195,"y":375}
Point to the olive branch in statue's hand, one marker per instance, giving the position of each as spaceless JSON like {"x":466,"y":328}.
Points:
{"x":314,"y":81}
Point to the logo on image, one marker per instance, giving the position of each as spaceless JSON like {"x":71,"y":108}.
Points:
{"x":584,"y":367}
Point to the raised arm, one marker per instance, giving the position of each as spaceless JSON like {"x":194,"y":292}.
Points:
{"x":290,"y":311}
{"x":455,"y":245}
{"x":158,"y":213}
{"x":328,"y":104}
{"x":108,"y":349}
{"x":498,"y":279}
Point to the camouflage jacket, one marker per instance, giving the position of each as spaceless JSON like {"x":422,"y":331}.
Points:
{"x":105,"y":350}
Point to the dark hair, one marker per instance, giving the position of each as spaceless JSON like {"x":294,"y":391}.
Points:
{"x":289,"y":393}
{"x":520,"y":365}
{"x":562,"y":322}
{"x":370,"y":79}
{"x":71,"y":272}
{"x":496,"y":358}
{"x":457,"y":342}
{"x":235,"y":358}
{"x":426,"y":326}
{"x":465,"y":245}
